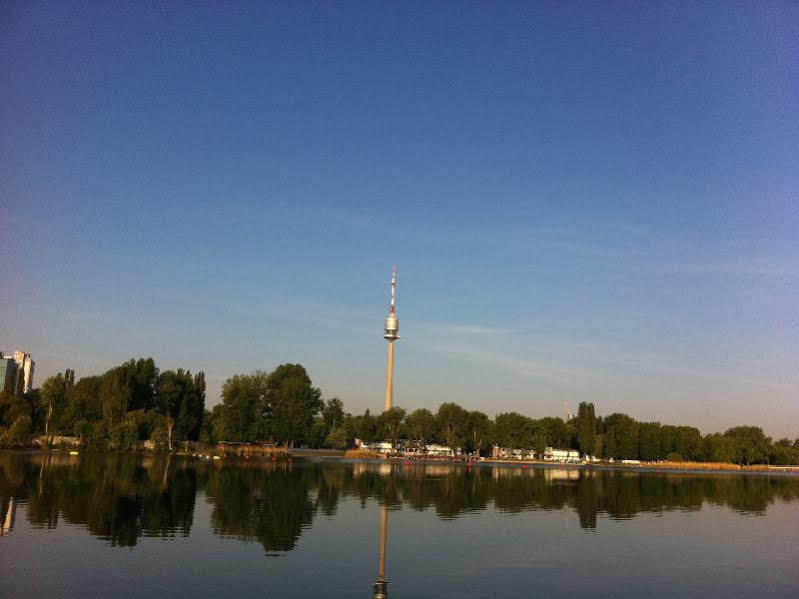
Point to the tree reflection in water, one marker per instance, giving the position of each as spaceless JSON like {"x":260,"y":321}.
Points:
{"x":122,"y":498}
{"x":264,"y":502}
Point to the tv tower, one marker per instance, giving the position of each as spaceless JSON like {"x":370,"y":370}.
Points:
{"x":391,"y":335}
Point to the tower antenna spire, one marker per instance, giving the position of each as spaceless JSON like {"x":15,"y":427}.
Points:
{"x":393,"y":288}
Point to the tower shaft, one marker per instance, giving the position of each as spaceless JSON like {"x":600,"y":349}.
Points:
{"x":389,"y":403}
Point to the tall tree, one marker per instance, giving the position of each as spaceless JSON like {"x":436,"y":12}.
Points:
{"x":390,"y":423}
{"x":586,"y":428}
{"x":750,"y":445}
{"x":649,"y":441}
{"x":293,"y":402}
{"x":452,"y":421}
{"x":621,"y":436}
{"x":479,"y":430}
{"x":553,"y":432}
{"x":54,"y":399}
{"x":115,"y":395}
{"x":421,"y":425}
{"x":82,"y":406}
{"x":181,"y":399}
{"x":244,"y":412}
{"x":364,"y":427}
{"x":513,"y":430}
{"x":333,"y":413}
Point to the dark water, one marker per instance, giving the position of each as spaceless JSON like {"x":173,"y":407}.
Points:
{"x":126,"y":526}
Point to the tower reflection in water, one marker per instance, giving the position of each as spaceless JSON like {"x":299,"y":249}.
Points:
{"x":7,"y":515}
{"x":380,"y":587}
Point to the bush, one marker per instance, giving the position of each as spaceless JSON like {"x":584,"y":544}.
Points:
{"x":160,"y":436}
{"x":124,"y":436}
{"x":144,"y":422}
{"x":338,"y":438}
{"x":674,"y":457}
{"x":95,"y":437}
{"x":207,"y":430}
{"x":20,"y":431}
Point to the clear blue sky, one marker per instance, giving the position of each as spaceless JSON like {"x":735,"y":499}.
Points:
{"x":585,"y":201}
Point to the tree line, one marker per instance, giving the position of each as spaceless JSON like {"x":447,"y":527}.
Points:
{"x":135,"y":402}
{"x":284,"y":407}
{"x":128,"y":404}
{"x":619,"y":436}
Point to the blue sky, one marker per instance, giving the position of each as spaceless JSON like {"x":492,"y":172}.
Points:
{"x":584,"y":201}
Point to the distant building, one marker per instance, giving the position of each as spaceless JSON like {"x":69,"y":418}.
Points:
{"x":381,"y":447}
{"x":512,"y":453}
{"x":442,"y":450}
{"x":561,"y":455}
{"x":8,"y":374}
{"x":23,"y":372}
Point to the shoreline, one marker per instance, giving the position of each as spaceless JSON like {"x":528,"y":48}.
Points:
{"x":661,"y":467}
{"x":340,"y":455}
{"x":649,"y":467}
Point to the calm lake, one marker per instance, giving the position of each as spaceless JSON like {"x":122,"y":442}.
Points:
{"x":103,"y":526}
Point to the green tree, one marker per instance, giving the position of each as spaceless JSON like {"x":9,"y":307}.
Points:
{"x":717,"y":448}
{"x":20,"y":431}
{"x":783,"y":453}
{"x":649,"y":441}
{"x":115,"y":395}
{"x":684,"y":441}
{"x":333,"y":413}
{"x":316,"y":435}
{"x":479,"y":428}
{"x":513,"y":430}
{"x":621,"y":437}
{"x":82,"y":406}
{"x":14,"y":408}
{"x":244,"y":413}
{"x":586,"y":428}
{"x":181,"y":399}
{"x":207,"y":428}
{"x":219,"y":425}
{"x":750,"y":445}
{"x":453,"y":423}
{"x":552,"y":432}
{"x":53,"y":396}
{"x":130,"y":386}
{"x":421,"y":425}
{"x":364,"y":427}
{"x":293,"y":402}
{"x":338,"y":438}
{"x":390,"y":423}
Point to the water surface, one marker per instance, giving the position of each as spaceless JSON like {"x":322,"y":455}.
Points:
{"x":103,"y":526}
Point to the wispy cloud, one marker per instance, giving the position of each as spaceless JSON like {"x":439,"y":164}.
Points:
{"x":467,"y":329}
{"x":587,"y":362}
{"x":533,"y":368}
{"x":765,"y":266}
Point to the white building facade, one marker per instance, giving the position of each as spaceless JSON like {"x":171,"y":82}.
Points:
{"x":569,"y":456}
{"x":25,"y":365}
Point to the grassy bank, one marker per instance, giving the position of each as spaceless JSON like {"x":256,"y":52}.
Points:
{"x":714,"y":466}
